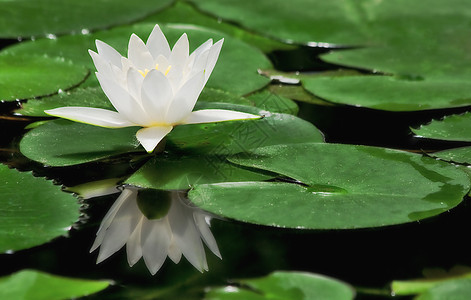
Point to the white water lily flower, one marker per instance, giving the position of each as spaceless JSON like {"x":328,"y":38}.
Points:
{"x":178,"y":232}
{"x":154,"y":87}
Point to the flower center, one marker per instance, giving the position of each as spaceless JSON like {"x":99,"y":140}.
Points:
{"x":144,"y":73}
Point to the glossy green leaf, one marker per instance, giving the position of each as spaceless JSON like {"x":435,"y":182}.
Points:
{"x":88,"y":97}
{"x":285,"y":286}
{"x":270,"y":101}
{"x":25,"y":18}
{"x":451,"y":128}
{"x":34,"y":210}
{"x":300,"y":21}
{"x":94,"y":97}
{"x":36,"y":285}
{"x":436,"y":277}
{"x":22,"y":76}
{"x":457,"y":155}
{"x":339,"y":187}
{"x":182,"y":172}
{"x":64,"y":143}
{"x":450,"y":290}
{"x":390,"y":93}
{"x":235,"y":71}
{"x":240,"y":136}
{"x":182,"y":11}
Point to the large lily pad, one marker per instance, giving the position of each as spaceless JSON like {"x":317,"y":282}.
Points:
{"x":451,"y":128}
{"x":36,"y":285}
{"x":22,"y":76}
{"x":187,"y":12}
{"x":459,"y":289}
{"x":391,"y":93}
{"x":339,"y":186}
{"x":26,"y":18}
{"x":236,"y":70}
{"x":34,"y":211}
{"x":63,"y":143}
{"x":182,"y":172}
{"x":285,"y":286}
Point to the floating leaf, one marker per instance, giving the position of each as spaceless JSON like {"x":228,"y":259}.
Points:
{"x":270,"y":101}
{"x":340,"y":187}
{"x":391,"y":93}
{"x":235,"y":72}
{"x":36,"y":285}
{"x":286,"y":286}
{"x":182,"y":172}
{"x":459,"y":289}
{"x":45,"y":17}
{"x":458,"y":155}
{"x":451,"y":128}
{"x":63,"y":143}
{"x":184,"y":11}
{"x":23,"y":76}
{"x":421,"y":285}
{"x":34,"y":211}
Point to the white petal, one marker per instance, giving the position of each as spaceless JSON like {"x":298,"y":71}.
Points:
{"x":185,"y":234}
{"x":139,"y":55}
{"x":108,"y":219}
{"x":157,"y":43}
{"x":108,"y":53}
{"x":149,"y":137}
{"x":101,"y":65}
{"x":180,"y":52}
{"x":124,"y":103}
{"x":156,"y":95}
{"x":133,"y":245}
{"x":93,"y":116}
{"x":134,"y":81}
{"x":120,"y":230}
{"x":185,"y":99}
{"x":213,"y":58}
{"x":195,"y":54}
{"x":162,"y":63}
{"x":174,"y":253}
{"x":205,"y":233}
{"x":155,"y":243}
{"x":200,"y":63}
{"x":217,"y":115}
{"x":175,"y":77}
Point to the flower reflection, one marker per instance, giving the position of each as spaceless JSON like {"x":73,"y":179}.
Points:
{"x":154,"y":87}
{"x":154,"y":229}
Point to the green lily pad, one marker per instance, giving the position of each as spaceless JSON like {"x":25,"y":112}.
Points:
{"x":285,"y":286}
{"x":421,"y":285}
{"x":34,"y":211}
{"x":26,"y":18}
{"x":88,"y":97}
{"x":36,"y":285}
{"x":64,"y":143}
{"x":390,"y":93}
{"x":188,"y":13}
{"x":270,"y":101}
{"x":340,"y":187}
{"x":451,"y":128}
{"x":460,"y":155}
{"x":22,"y":76}
{"x":235,"y":72}
{"x":94,"y":97}
{"x":176,"y":172}
{"x":299,"y":21}
{"x":459,"y":289}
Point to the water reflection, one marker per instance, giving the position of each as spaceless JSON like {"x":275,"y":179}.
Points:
{"x":169,"y":226}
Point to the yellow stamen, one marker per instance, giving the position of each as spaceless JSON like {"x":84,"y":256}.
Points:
{"x":168,"y":70}
{"x":157,"y":67}
{"x":143,"y":73}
